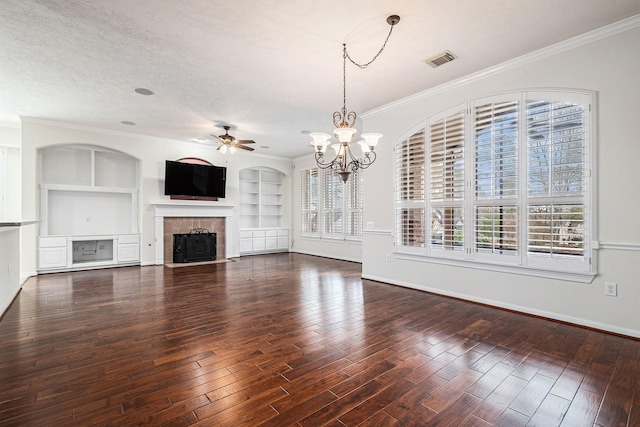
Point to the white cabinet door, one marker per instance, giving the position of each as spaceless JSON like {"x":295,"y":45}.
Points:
{"x":271,"y":243}
{"x":246,"y":245}
{"x":258,"y":244}
{"x":283,"y":239}
{"x":52,"y":258}
{"x":283,"y":243}
{"x":52,"y":252}
{"x":128,"y":252}
{"x":128,"y":248}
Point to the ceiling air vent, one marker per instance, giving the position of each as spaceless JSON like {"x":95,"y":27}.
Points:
{"x":439,"y":59}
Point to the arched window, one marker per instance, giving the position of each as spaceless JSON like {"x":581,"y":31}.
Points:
{"x":502,"y":180}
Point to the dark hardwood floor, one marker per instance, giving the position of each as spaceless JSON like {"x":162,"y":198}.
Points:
{"x":290,"y":339}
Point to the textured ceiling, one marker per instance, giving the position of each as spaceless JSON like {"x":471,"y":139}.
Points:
{"x":270,"y":68}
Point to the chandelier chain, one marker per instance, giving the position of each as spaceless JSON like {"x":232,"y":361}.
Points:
{"x":345,"y":161}
{"x":363,"y":66}
{"x":344,"y":76}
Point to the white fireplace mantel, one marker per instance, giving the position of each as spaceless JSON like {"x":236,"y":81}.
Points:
{"x":187,"y":210}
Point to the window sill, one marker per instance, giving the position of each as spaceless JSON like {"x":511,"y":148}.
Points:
{"x":348,"y":240}
{"x":572,"y":276}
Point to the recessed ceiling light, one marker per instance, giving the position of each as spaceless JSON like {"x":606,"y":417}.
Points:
{"x":306,"y":132}
{"x":128,"y":123}
{"x":143,"y":91}
{"x":266,"y":147}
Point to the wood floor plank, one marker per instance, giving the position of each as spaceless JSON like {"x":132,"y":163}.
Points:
{"x":532,"y":395}
{"x":569,"y":381}
{"x":615,"y":408}
{"x":292,"y":339}
{"x":583,"y":409}
{"x":550,"y":412}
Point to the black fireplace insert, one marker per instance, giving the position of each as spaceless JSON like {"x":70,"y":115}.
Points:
{"x":194,"y":247}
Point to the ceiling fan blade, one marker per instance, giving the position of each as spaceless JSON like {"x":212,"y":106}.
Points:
{"x":244,"y":148}
{"x":245,"y":141}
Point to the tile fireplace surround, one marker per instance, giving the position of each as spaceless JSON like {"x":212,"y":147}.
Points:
{"x":176,"y":218}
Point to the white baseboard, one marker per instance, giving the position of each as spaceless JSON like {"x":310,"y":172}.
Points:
{"x":526,"y":310}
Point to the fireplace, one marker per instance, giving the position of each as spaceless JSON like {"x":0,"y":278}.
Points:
{"x":180,"y":218}
{"x":194,"y":247}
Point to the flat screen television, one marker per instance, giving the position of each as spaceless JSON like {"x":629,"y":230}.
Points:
{"x":194,"y":180}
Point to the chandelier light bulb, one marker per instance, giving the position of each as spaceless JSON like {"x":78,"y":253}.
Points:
{"x":320,"y":141}
{"x":344,"y":135}
{"x":371,"y":140}
{"x":363,"y":145}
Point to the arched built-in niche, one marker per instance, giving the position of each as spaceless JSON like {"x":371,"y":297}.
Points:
{"x":261,"y":211}
{"x":88,"y":207}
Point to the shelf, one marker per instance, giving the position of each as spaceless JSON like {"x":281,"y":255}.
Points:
{"x":261,"y":198}
{"x":87,"y":188}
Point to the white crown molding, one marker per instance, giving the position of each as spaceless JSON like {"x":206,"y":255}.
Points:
{"x":572,"y":43}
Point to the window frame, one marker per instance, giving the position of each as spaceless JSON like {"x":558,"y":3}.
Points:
{"x":309,"y":209}
{"x":348,"y":208}
{"x":331,"y":184}
{"x":581,"y":268}
{"x":449,"y":202}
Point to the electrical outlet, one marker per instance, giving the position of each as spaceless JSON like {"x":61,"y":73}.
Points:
{"x":388,"y":257}
{"x":611,"y":289}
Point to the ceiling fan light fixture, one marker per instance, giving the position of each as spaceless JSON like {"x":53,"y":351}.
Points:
{"x":345,"y":161}
{"x":229,"y":144}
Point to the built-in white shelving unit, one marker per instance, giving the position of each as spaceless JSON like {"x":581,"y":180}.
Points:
{"x":88,"y":208}
{"x":261,"y":211}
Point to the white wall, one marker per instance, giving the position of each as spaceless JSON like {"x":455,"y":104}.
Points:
{"x":10,"y":188}
{"x":606,"y":62}
{"x":152,"y":153}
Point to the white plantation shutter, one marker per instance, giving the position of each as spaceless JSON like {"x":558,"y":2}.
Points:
{"x":555,"y":181}
{"x":496,"y":150}
{"x":496,"y":134}
{"x":332,"y":204}
{"x":309,"y":201}
{"x":354,"y":205}
{"x":446,"y":181}
{"x":555,"y":229}
{"x":410,"y":191}
{"x":496,"y":229}
{"x":555,"y":149}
